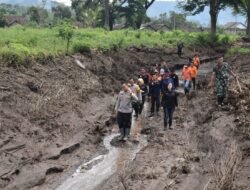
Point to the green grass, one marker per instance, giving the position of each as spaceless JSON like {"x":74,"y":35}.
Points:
{"x":238,"y":50}
{"x":25,"y":43}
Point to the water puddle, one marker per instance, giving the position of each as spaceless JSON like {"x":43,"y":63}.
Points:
{"x":91,"y":174}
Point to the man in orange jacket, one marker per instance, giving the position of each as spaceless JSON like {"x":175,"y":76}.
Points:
{"x":196,"y":61}
{"x":186,"y":74}
{"x":193,"y":72}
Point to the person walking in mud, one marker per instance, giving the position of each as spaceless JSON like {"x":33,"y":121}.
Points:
{"x":186,"y":74}
{"x":135,"y":89}
{"x":196,"y":61}
{"x":144,"y":93}
{"x":145,"y":76}
{"x":154,"y":94}
{"x":124,"y":111}
{"x":180,"y":46}
{"x":220,"y":76}
{"x":169,"y":102}
{"x":193,"y":72}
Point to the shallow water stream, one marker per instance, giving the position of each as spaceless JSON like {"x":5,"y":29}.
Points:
{"x":92,"y":173}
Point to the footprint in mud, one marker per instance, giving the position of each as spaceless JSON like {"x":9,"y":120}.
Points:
{"x":122,"y":144}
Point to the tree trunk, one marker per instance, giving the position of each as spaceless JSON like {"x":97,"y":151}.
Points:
{"x":106,"y":7}
{"x":248,"y":25}
{"x":213,"y":15}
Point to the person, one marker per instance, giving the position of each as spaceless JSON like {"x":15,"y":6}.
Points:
{"x":187,"y":77}
{"x":162,"y":74}
{"x":166,"y":67}
{"x":164,"y":82}
{"x":124,"y":111}
{"x":135,"y":89}
{"x":193,"y":71}
{"x":196,"y":61}
{"x":154,"y":93}
{"x":220,"y":74}
{"x":175,"y":78}
{"x":144,"y":93}
{"x":169,"y":102}
{"x":145,"y":76}
{"x":180,"y":46}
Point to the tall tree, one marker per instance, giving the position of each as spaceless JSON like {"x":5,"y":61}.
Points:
{"x":107,"y":14}
{"x":243,"y":7}
{"x":61,"y":12}
{"x":198,"y":6}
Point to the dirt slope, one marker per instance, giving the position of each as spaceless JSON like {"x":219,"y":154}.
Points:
{"x":53,"y":113}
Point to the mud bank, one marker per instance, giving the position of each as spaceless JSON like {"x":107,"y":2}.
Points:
{"x":54,"y":116}
{"x":55,"y":113}
{"x":208,"y":148}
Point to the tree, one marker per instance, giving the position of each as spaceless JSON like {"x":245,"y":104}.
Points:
{"x":37,"y":14}
{"x":197,"y":6}
{"x":2,"y":20}
{"x":34,"y":14}
{"x":243,"y":7}
{"x":66,"y":32}
{"x":61,"y":12}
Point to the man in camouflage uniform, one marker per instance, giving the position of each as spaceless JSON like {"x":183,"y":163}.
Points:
{"x":220,"y":75}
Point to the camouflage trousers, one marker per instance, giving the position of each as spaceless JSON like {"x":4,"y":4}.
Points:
{"x":221,"y":88}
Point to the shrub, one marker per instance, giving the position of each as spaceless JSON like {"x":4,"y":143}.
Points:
{"x":12,"y":58}
{"x":81,"y":48}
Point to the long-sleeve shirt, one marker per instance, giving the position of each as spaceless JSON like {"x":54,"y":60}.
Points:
{"x":124,"y":102}
{"x":169,"y":99}
{"x":155,"y":88}
{"x":137,"y":91}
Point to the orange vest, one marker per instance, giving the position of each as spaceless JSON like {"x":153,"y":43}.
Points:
{"x":186,"y":73}
{"x":193,"y":71}
{"x":196,"y":61}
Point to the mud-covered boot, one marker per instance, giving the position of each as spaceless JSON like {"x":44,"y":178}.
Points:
{"x":127,"y":132}
{"x":122,"y":134}
{"x":170,"y":125}
{"x":165,"y":126}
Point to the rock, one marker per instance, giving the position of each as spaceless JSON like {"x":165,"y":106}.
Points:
{"x":28,"y":180}
{"x":54,"y":169}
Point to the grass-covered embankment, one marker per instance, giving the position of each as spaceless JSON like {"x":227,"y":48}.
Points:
{"x":19,"y":43}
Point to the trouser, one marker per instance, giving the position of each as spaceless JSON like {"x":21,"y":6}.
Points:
{"x":124,"y":121}
{"x":220,"y":99}
{"x":141,"y":105}
{"x":222,"y":87}
{"x":168,"y":116}
{"x":186,"y":86}
{"x":136,"y":106}
{"x":194,"y":83}
{"x":155,"y":103}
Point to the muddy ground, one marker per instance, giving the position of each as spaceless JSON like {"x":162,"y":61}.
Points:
{"x":54,"y":116}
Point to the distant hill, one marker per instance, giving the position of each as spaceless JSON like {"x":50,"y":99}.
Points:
{"x":165,"y":6}
{"x":49,"y":4}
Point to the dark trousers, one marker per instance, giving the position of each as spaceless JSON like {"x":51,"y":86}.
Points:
{"x":220,"y":99}
{"x":155,"y":103}
{"x":124,"y":121}
{"x":194,"y":83}
{"x":141,"y":105}
{"x":136,"y":107}
{"x":168,"y":116}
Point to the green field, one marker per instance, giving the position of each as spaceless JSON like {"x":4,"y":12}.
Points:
{"x":20,"y":42}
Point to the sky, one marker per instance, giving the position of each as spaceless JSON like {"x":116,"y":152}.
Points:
{"x":68,"y":2}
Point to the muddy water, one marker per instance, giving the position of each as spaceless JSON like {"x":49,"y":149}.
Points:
{"x":91,"y":174}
